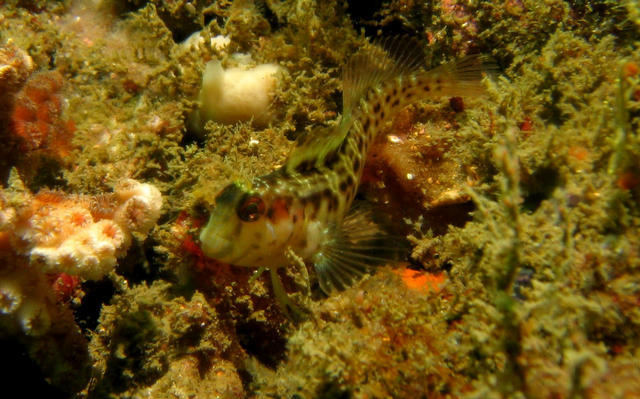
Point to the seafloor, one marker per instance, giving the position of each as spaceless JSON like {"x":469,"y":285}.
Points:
{"x":521,"y":204}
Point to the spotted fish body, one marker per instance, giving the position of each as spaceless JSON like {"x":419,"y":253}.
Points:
{"x":305,"y":205}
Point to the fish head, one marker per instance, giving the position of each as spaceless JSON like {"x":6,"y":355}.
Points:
{"x":239,"y":231}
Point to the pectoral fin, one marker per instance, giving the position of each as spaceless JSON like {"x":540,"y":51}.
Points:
{"x":357,"y":246}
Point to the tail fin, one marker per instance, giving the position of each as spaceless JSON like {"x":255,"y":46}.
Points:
{"x":461,"y":77}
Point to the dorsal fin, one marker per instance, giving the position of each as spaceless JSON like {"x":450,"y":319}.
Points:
{"x":376,"y":63}
{"x":372,"y":65}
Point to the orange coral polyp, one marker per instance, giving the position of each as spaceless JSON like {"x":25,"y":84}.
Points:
{"x":52,"y":197}
{"x":79,"y":219}
{"x":37,"y":116}
{"x":23,"y":113}
{"x":44,"y":114}
{"x":110,"y":231}
{"x":38,"y":95}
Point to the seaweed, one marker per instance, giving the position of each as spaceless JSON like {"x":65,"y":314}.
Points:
{"x":523,"y":203}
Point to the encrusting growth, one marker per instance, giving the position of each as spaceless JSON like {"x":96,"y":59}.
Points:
{"x":307,"y":204}
{"x":78,"y":235}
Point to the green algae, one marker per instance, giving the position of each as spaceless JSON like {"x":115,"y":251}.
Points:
{"x":145,"y":329}
{"x":542,"y":322}
{"x":542,"y":281}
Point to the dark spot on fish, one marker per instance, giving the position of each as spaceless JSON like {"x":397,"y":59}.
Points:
{"x":315,"y":199}
{"x":270,"y":213}
{"x":376,"y":108}
{"x":395,"y":91}
{"x":333,"y":203}
{"x":340,"y":169}
{"x":365,"y":127}
{"x":343,"y":186}
{"x":396,"y":102}
{"x":361,"y":145}
{"x":330,"y":207}
{"x":331,"y":158}
{"x":350,"y":181}
{"x":409,"y":95}
{"x":427,"y":88}
{"x":356,"y":163}
{"x":404,"y":89}
{"x":387,"y":98}
{"x":327,"y":192}
{"x":382,"y":114}
{"x":439,"y":80}
{"x":305,"y":167}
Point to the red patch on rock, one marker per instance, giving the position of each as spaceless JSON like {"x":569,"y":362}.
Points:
{"x":37,"y":116}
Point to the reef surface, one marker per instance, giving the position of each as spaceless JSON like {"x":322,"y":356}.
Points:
{"x":521,"y":206}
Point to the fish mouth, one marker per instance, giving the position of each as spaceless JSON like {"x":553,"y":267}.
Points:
{"x":214,"y":246}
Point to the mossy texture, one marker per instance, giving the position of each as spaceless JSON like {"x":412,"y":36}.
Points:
{"x":540,"y":256}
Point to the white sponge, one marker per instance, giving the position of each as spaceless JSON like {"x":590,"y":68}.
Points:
{"x":238,"y":94}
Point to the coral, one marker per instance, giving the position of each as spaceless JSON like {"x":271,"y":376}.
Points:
{"x":524,"y":275}
{"x":80,"y":235}
{"x":138,"y":206}
{"x":37,"y":116}
{"x":72,"y":236}
{"x":15,"y":67}
{"x":32,"y":313}
{"x":24,"y":296}
{"x":49,"y":241}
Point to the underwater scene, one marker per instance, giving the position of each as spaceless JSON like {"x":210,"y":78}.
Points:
{"x":320,"y":199}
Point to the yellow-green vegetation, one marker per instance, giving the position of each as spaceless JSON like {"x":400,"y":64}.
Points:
{"x":142,"y":332}
{"x":542,"y":291}
{"x":543,"y":280}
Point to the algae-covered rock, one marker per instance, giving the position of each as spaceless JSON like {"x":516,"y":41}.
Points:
{"x":523,"y":202}
{"x":146,"y":338}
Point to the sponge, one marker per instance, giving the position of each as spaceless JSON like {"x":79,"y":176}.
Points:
{"x":237,"y":94}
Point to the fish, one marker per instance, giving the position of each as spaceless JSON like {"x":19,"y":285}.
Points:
{"x":307,"y":205}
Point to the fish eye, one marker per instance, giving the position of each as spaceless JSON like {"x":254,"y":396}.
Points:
{"x":250,"y":208}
